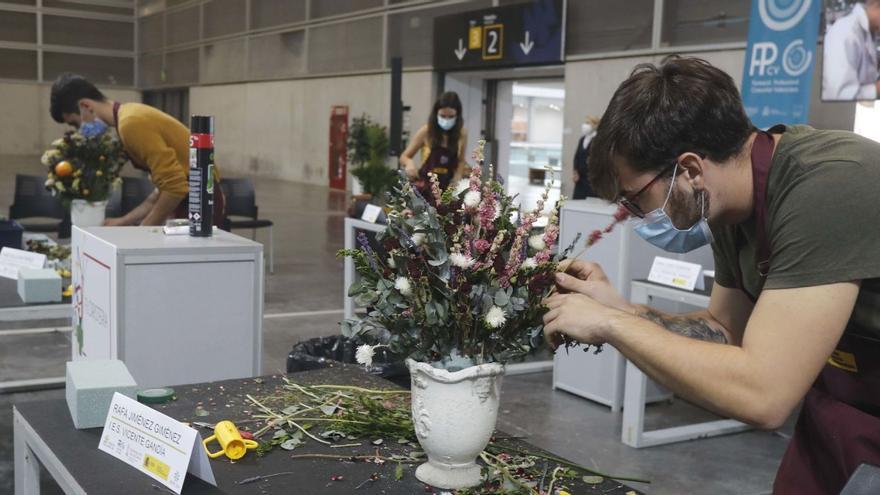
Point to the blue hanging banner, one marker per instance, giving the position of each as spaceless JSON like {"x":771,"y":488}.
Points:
{"x":780,"y":58}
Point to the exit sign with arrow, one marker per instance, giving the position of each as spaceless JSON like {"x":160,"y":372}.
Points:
{"x":517,"y":35}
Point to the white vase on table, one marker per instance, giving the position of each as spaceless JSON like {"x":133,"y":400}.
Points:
{"x":454,"y":415}
{"x":87,"y":213}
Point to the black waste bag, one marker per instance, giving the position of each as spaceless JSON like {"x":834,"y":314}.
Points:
{"x":320,"y":352}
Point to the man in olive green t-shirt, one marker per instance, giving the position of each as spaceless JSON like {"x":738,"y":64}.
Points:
{"x":795,"y":311}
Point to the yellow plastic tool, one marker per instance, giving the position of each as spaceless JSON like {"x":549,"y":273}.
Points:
{"x":231,"y":443}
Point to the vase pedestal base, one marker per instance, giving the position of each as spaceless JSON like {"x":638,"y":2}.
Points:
{"x":449,"y":477}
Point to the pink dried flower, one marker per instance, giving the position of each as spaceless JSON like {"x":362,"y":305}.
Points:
{"x":551,"y":233}
{"x":516,"y":250}
{"x":477,"y":169}
{"x":435,"y":186}
{"x":482,"y":245}
{"x":493,"y":250}
{"x":475,"y":179}
{"x":487,"y":210}
{"x":594,"y":237}
{"x":542,"y":257}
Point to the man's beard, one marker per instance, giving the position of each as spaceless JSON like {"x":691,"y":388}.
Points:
{"x":686,"y":209}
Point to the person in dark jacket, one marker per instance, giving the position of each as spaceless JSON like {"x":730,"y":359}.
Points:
{"x":582,"y":189}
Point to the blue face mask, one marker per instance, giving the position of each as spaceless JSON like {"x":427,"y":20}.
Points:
{"x":658,"y":229}
{"x":446,"y":123}
{"x":93,"y":128}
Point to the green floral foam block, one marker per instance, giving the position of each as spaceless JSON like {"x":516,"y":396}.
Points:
{"x":90,"y":388}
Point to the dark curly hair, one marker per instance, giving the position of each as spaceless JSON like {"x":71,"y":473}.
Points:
{"x":661,"y":111}
{"x":67,"y":90}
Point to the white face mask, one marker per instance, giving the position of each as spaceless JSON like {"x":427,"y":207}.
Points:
{"x":586,"y":129}
{"x":445,"y":123}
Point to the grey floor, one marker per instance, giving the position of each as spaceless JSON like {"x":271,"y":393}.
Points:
{"x":304,"y":300}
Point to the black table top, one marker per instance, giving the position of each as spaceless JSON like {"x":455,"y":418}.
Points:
{"x":99,"y":473}
{"x":9,"y":297}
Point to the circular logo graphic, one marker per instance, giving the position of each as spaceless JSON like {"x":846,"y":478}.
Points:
{"x":780,"y":15}
{"x":796,"y":59}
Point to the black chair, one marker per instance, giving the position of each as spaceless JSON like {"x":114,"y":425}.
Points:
{"x":114,"y":203}
{"x":32,"y":200}
{"x":241,"y":202}
{"x":134,"y":191}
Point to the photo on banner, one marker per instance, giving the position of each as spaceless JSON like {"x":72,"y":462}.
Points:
{"x":780,"y":57}
{"x":849,"y":52}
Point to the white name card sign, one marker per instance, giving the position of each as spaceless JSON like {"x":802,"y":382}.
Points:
{"x":154,"y":444}
{"x":675,"y":273}
{"x":12,"y":260}
{"x":371,"y":213}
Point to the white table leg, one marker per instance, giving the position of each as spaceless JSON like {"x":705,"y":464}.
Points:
{"x":27,"y":467}
{"x":619,"y":382}
{"x":633,"y":406}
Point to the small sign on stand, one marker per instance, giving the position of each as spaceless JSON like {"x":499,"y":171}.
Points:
{"x":371,"y":213}
{"x":675,"y":273}
{"x":154,"y":444}
{"x":12,"y":260}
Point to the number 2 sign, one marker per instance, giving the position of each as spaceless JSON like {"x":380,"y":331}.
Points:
{"x":493,"y":42}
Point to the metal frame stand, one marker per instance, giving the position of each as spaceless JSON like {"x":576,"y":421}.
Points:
{"x":633,"y":433}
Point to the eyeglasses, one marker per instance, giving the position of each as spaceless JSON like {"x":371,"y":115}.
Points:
{"x":629,"y":202}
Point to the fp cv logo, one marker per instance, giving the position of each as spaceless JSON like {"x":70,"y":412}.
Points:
{"x":781,"y":15}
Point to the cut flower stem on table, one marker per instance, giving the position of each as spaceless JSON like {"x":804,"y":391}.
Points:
{"x":352,"y":416}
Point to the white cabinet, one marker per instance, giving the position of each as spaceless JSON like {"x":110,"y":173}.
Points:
{"x":175,"y":309}
{"x":625,"y":257}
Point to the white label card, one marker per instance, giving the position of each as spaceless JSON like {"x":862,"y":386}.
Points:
{"x":154,"y":444}
{"x":371,"y":213}
{"x":11,"y":260}
{"x":675,"y":273}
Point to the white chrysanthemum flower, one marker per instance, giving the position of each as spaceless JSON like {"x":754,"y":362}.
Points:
{"x":536,"y":242}
{"x":58,"y":142}
{"x":495,"y":317}
{"x":391,"y":262}
{"x":472,"y":199}
{"x":418,"y":238}
{"x":461,"y":260}
{"x":403,"y":286}
{"x":528,"y":264}
{"x":497,"y":210}
{"x":50,"y":182}
{"x":462,"y":186}
{"x":364,"y":355}
{"x":45,"y":158}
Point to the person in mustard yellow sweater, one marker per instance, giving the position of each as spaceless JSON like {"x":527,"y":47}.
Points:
{"x":154,"y":141}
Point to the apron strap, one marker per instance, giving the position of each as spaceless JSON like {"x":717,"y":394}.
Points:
{"x":762,"y":159}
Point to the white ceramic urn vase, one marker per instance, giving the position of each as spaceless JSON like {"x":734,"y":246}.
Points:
{"x":86,"y":213}
{"x":454,"y":414}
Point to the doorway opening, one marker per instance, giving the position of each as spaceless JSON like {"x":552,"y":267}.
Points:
{"x":529,"y":123}
{"x":520,"y":113}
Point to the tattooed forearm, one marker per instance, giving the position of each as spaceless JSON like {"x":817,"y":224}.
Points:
{"x":695,"y":328}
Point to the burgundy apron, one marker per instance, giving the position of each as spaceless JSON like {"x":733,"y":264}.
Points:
{"x":182,"y":210}
{"x":443,"y":162}
{"x":839,"y":425}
